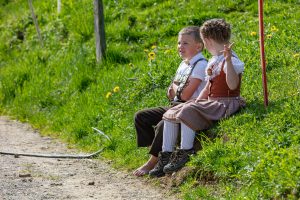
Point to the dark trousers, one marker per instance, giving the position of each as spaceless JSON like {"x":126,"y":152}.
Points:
{"x":149,"y":127}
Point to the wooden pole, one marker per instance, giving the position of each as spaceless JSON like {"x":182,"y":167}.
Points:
{"x":35,"y":22}
{"x":99,"y":30}
{"x":262,"y":51}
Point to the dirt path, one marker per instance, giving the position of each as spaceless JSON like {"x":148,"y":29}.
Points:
{"x":49,"y":178}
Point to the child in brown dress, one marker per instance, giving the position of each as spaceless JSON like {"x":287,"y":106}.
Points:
{"x":219,"y":99}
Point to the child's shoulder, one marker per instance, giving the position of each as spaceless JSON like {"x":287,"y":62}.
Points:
{"x":235,"y":59}
{"x":199,"y":58}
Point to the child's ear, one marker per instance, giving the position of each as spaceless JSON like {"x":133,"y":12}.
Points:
{"x":200,"y":46}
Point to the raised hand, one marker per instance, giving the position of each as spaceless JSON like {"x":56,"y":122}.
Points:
{"x":227,"y":51}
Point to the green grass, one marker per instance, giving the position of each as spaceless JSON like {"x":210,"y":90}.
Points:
{"x":61,"y":90}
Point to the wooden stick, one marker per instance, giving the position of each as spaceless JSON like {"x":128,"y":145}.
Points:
{"x":35,"y":22}
{"x":262,"y":51}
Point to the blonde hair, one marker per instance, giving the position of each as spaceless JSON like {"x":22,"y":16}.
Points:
{"x":193,"y":31}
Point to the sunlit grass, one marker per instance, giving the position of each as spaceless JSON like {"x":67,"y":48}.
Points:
{"x":61,"y":90}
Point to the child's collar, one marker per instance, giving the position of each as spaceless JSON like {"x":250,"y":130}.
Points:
{"x":194,"y":59}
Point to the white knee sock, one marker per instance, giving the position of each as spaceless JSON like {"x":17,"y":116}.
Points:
{"x":187,"y":137}
{"x":169,"y":136}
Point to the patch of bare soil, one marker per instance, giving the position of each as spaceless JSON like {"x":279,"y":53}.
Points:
{"x":51,"y":178}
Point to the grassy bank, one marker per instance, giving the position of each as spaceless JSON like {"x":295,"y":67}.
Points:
{"x":61,"y":90}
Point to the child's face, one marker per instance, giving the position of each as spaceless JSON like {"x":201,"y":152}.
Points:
{"x":187,"y":47}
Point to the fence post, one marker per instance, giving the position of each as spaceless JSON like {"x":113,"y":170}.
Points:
{"x":99,"y":30}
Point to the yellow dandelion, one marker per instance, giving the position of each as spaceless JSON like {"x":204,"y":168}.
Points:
{"x":253,"y":33}
{"x":151,"y":56}
{"x":117,"y":89}
{"x":153,"y":47}
{"x":146,"y":50}
{"x":167,"y":51}
{"x":269,"y":36}
{"x":274,"y":29}
{"x":109,"y":94}
{"x":296,"y":55}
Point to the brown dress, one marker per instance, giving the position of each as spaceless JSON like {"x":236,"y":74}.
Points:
{"x":199,"y":115}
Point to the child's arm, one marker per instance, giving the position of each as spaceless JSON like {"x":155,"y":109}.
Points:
{"x":204,"y":93}
{"x":232,"y":78}
{"x":191,"y":86}
{"x":187,"y":92}
{"x":171,"y":92}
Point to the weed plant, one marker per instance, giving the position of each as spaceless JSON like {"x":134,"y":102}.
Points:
{"x":61,"y":90}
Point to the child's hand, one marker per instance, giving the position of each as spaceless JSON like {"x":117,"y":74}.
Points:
{"x":227,"y":52}
{"x":170,"y":93}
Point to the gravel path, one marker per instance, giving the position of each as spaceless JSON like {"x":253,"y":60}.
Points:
{"x":50,"y":178}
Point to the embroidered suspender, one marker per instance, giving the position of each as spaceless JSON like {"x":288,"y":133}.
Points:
{"x":183,"y":84}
